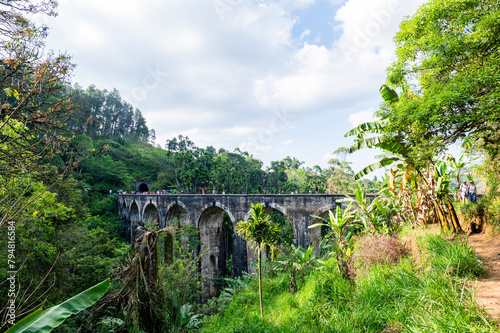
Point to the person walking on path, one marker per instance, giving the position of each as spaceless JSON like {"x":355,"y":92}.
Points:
{"x":472,"y":192}
{"x":464,"y":191}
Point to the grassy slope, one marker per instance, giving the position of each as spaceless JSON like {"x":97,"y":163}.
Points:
{"x":427,"y":296}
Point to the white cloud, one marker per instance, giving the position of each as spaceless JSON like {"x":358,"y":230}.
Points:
{"x":231,"y":64}
{"x":255,"y":149}
{"x":327,"y":156}
{"x":361,"y":117}
{"x":368,"y":26}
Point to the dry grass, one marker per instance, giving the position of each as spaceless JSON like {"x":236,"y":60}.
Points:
{"x":375,"y":250}
{"x":412,"y":244}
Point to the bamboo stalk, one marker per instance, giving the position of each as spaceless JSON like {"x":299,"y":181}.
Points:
{"x":454,"y":217}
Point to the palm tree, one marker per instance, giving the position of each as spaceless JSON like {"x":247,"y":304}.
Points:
{"x":259,"y":231}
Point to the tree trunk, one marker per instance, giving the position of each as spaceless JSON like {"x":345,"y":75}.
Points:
{"x":441,"y":217}
{"x":293,"y":282}
{"x":454,"y":217}
{"x":342,"y":267}
{"x":168,"y":248}
{"x":445,"y":219}
{"x":259,"y":264}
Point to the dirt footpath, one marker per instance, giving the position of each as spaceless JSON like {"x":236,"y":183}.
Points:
{"x":488,"y":294}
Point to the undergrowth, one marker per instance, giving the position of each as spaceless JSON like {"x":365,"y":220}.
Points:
{"x":386,"y":298}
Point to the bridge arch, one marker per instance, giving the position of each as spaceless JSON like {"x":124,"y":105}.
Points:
{"x":124,"y":211}
{"x":219,"y":205}
{"x":124,"y":219}
{"x":298,"y":209}
{"x":315,"y":234}
{"x":177,"y":210}
{"x":216,"y":236}
{"x":269,"y":207}
{"x":134,"y":214}
{"x":150,"y":214}
{"x":134,"y":220}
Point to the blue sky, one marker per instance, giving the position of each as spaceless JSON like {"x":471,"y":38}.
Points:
{"x":275,"y":78}
{"x":318,"y":20}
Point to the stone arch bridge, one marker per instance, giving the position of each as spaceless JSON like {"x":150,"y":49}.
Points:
{"x":207,"y":213}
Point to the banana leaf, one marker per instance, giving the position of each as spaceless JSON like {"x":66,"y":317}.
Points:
{"x":367,"y":143}
{"x":395,"y":147}
{"x":369,"y":127}
{"x":375,"y":166}
{"x":45,"y":321}
{"x":388,"y":94}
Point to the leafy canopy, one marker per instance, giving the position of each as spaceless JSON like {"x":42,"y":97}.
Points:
{"x":448,"y":68}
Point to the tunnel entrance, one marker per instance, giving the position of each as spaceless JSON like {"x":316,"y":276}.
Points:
{"x":143,"y":188}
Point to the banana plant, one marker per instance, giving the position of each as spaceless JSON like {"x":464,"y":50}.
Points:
{"x":373,"y":215}
{"x":443,"y":181}
{"x":304,"y":259}
{"x":299,"y":261}
{"x":412,"y":170}
{"x":342,"y":226}
{"x":393,"y":145}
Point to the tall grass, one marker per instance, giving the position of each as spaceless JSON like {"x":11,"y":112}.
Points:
{"x":454,"y":257}
{"x":402,"y":297}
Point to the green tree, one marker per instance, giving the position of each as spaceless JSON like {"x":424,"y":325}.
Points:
{"x":447,"y":67}
{"x":417,"y":168}
{"x":105,"y":114}
{"x":260,"y":232}
{"x":32,"y":118}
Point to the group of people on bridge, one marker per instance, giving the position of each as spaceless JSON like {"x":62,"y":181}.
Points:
{"x":166,"y":192}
